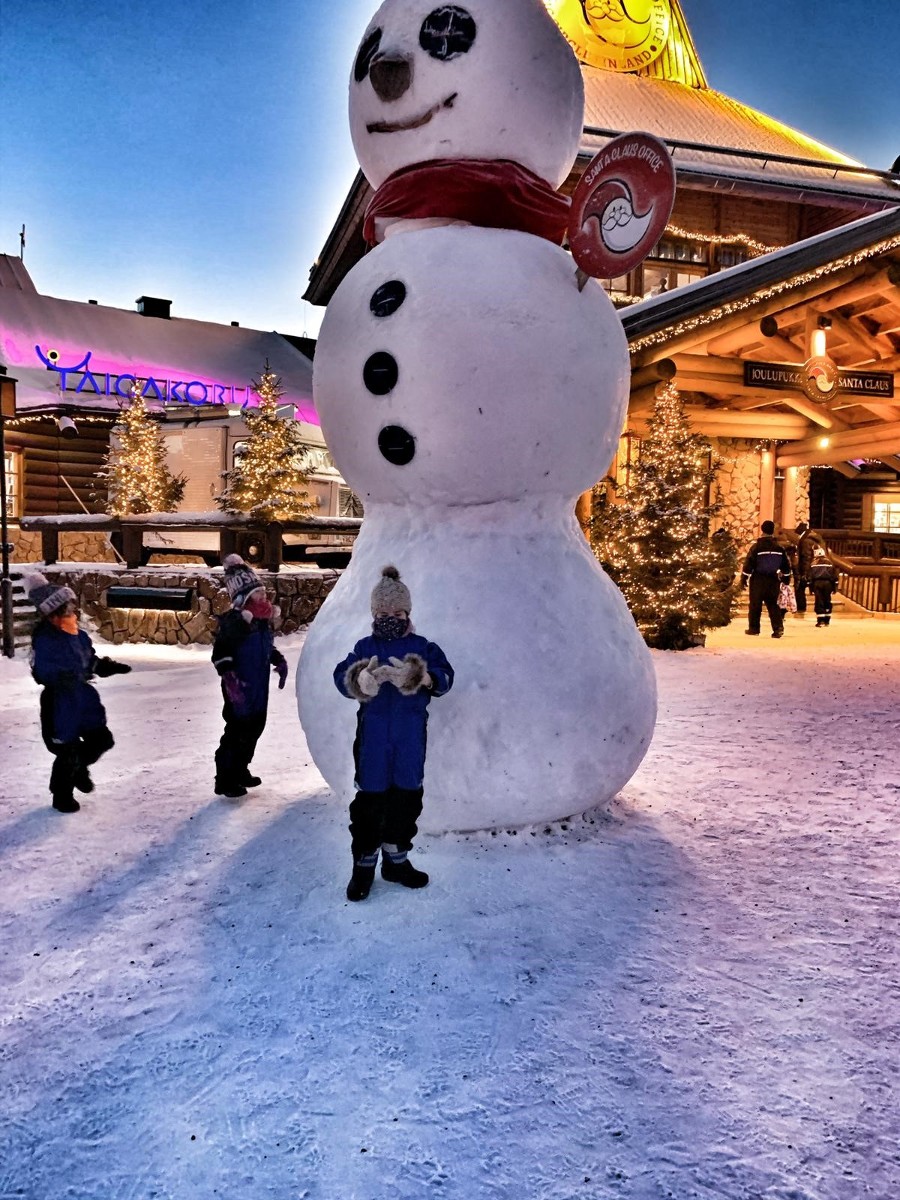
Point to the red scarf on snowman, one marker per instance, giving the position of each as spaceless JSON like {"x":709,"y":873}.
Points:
{"x":495,"y":194}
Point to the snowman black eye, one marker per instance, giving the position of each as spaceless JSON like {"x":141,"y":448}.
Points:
{"x":366,"y":54}
{"x":388,"y":298}
{"x":397,"y":445}
{"x":380,"y":374}
{"x":447,"y":32}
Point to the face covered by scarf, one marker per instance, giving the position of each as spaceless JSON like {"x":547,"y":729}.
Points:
{"x":259,"y":606}
{"x":66,"y":621}
{"x":390,"y":627}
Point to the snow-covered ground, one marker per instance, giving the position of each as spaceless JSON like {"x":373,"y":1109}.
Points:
{"x":694,"y":994}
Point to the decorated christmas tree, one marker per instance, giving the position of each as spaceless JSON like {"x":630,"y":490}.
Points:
{"x":137,"y":474}
{"x":267,"y":481}
{"x":677,"y":578}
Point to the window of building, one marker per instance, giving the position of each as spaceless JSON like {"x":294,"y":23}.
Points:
{"x":619,"y":290}
{"x":886,"y":516}
{"x":12,"y":465}
{"x":730,"y":256}
{"x":672,"y":249}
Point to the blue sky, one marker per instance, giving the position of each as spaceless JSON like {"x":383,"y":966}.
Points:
{"x":198,"y":149}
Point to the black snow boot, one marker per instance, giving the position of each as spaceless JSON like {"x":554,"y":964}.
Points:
{"x":402,"y":872}
{"x":360,"y":882}
{"x":82,"y":780}
{"x":249,"y":780}
{"x":66,"y":803}
{"x":230,"y":789}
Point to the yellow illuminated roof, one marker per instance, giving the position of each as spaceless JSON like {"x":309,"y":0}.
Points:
{"x":643,"y":37}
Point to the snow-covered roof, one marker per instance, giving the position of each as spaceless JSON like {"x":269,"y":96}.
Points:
{"x":747,"y":279}
{"x":707,"y":118}
{"x":120,"y":342}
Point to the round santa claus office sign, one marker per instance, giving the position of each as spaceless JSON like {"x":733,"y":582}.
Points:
{"x":621,"y":205}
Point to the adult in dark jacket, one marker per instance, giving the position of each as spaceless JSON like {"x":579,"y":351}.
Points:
{"x":73,"y":721}
{"x":243,"y":652}
{"x":823,"y":583}
{"x":393,"y":673}
{"x":766,"y":567}
{"x":807,"y":541}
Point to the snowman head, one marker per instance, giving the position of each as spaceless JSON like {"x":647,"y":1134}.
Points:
{"x":482,"y":79}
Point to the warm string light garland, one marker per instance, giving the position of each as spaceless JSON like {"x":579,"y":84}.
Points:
{"x":267,"y":481}
{"x":49,"y":419}
{"x":723,"y":239}
{"x":137,"y":472}
{"x":655,"y":543}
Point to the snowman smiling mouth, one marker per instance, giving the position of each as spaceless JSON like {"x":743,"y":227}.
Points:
{"x":415,"y":123}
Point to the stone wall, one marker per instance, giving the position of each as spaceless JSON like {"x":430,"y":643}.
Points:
{"x":737,"y":487}
{"x":299,"y":595}
{"x":73,"y":547}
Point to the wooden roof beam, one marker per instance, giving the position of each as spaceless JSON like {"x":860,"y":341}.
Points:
{"x":814,"y":412}
{"x":862,"y":442}
{"x":736,"y":340}
{"x":692,"y":339}
{"x":844,"y":468}
{"x":870,"y":347}
{"x":890,"y":460}
{"x":872,"y":283}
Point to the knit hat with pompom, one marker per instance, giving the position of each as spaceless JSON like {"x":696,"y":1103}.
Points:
{"x":46,"y":597}
{"x":390,"y":592}
{"x":241,"y":581}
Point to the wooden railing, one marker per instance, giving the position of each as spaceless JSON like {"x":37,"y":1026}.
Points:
{"x":260,"y":544}
{"x":869,"y":566}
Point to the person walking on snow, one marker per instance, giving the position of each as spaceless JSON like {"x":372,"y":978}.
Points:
{"x":243,"y":652}
{"x":766,"y":567}
{"x":393,"y":673}
{"x":823,"y":583}
{"x":63,"y":661}
{"x":807,"y":541}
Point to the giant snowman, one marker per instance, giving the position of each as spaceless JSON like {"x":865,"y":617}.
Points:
{"x":469,"y":392}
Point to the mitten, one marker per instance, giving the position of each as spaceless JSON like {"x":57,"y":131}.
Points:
{"x":367,"y":681}
{"x":281,"y":670}
{"x":234,"y":689}
{"x":409,"y":674}
{"x":108,"y":666}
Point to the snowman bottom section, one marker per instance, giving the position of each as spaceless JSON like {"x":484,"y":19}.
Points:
{"x":554,"y":702}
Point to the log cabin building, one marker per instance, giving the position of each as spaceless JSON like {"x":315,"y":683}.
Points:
{"x":75,"y":363}
{"x":781,"y":261}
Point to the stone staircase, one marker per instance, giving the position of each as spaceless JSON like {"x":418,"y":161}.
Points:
{"x":23,"y":615}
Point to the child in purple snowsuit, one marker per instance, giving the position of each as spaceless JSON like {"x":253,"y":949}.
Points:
{"x":393,"y":673}
{"x":243,"y":652}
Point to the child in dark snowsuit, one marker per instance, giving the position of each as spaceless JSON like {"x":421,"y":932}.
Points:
{"x":243,"y":651}
{"x":393,"y":673}
{"x":73,"y":721}
{"x":823,"y":583}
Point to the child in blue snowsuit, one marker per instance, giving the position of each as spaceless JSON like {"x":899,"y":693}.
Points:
{"x":393,"y":673}
{"x":243,"y":652}
{"x":73,"y":721}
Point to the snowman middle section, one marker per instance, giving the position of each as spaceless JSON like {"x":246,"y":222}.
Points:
{"x":469,"y":392}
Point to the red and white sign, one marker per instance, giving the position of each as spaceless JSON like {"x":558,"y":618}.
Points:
{"x":621,"y":205}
